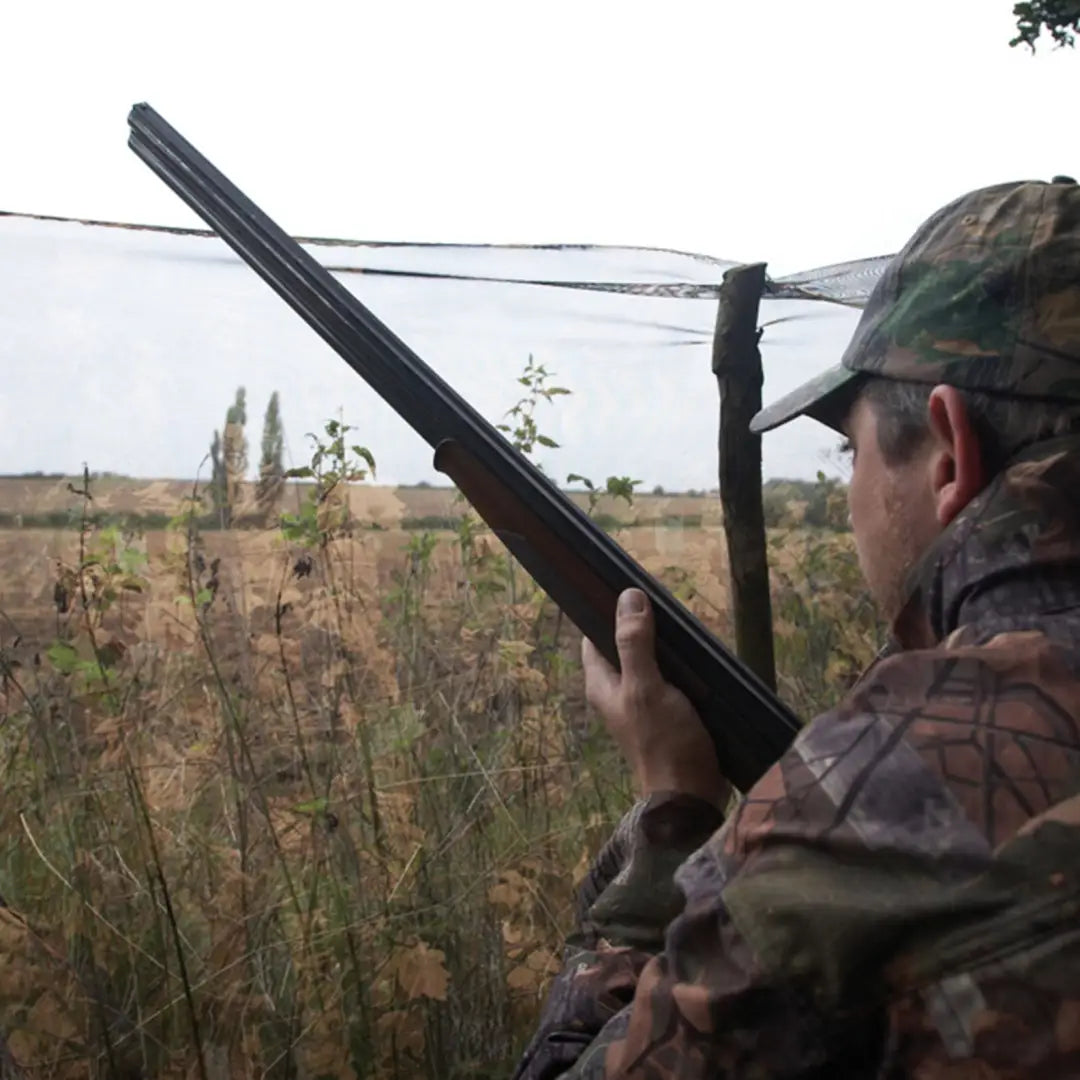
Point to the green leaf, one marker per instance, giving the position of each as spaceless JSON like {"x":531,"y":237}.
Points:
{"x":299,"y":474}
{"x":63,"y":657}
{"x":622,"y":487}
{"x":313,"y":806}
{"x":366,"y":454}
{"x":132,"y":560}
{"x":204,"y":597}
{"x":94,"y":672}
{"x":543,"y":440}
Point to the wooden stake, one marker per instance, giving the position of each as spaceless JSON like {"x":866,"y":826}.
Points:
{"x":736,"y":363}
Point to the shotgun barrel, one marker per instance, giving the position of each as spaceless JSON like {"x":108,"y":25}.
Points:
{"x":570,"y":557}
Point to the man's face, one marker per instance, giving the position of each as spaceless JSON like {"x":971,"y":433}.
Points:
{"x":892,"y":509}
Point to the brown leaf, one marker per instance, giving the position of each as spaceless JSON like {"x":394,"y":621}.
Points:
{"x":422,"y":973}
{"x":543,"y":962}
{"x":404,"y":1029}
{"x":522,"y":978}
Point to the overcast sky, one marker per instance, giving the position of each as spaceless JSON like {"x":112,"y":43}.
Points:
{"x":799,"y":134}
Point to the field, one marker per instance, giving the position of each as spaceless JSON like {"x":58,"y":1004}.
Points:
{"x":316,"y":806}
{"x":28,"y":499}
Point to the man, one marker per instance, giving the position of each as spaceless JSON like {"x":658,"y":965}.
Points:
{"x":900,"y":894}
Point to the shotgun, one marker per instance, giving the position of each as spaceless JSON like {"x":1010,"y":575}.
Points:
{"x":568,"y":555}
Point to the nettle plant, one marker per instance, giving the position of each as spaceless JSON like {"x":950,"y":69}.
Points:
{"x":521,"y":426}
{"x":525,"y":435}
{"x":110,"y":564}
{"x":334,"y":465}
{"x":619,"y":487}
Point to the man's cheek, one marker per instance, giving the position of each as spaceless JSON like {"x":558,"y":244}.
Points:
{"x":869,"y":539}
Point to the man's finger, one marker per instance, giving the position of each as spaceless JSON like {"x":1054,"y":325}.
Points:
{"x":635,"y":637}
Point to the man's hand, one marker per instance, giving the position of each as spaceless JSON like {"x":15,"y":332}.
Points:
{"x":654,"y":724}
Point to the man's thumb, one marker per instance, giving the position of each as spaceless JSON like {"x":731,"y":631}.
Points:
{"x":635,"y":635}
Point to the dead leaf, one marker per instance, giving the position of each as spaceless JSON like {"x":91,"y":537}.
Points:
{"x":522,"y":978}
{"x":403,"y":1029}
{"x":543,"y":961}
{"x":422,"y":973}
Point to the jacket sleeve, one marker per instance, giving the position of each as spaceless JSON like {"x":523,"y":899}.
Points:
{"x":706,"y":1000}
{"x":704,"y":1009}
{"x":624,"y":907}
{"x":780,"y":922}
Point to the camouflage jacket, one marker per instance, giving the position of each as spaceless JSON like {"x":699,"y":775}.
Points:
{"x":900,"y":894}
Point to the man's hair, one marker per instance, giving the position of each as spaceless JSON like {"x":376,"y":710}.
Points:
{"x":1003,"y":425}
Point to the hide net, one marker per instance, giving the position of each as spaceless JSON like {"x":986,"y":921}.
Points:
{"x":155,"y":325}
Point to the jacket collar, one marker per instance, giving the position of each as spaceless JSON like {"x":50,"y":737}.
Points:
{"x":1011,"y":557}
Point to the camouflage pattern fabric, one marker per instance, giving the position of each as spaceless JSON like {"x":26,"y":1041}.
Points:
{"x":9,"y":1070}
{"x":900,"y":894}
{"x":985,"y":296}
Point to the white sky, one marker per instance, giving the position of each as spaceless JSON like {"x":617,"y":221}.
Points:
{"x":810,"y":134}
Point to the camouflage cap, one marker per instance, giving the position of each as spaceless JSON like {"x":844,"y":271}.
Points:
{"x":985,"y":296}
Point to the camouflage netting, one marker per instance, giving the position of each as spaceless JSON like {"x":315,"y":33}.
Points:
{"x":139,"y":334}
{"x":640,"y":271}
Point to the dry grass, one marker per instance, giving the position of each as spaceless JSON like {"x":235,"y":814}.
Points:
{"x":284,"y":811}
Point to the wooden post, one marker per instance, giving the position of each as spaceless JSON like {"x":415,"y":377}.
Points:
{"x":736,"y":363}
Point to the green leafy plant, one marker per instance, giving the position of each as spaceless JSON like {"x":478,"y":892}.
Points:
{"x":619,"y":487}
{"x":522,"y":428}
{"x":335,"y":463}
{"x":827,"y":629}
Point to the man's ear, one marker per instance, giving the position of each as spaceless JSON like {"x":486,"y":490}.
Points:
{"x":957,"y":473}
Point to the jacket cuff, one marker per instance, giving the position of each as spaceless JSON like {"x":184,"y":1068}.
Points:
{"x":630,"y":895}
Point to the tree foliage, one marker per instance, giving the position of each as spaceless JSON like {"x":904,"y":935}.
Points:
{"x":228,"y":459}
{"x":237,"y":413}
{"x":235,"y":452}
{"x":1059,"y":18}
{"x":271,"y":463}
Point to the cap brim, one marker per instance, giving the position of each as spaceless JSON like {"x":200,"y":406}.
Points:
{"x":825,"y":398}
